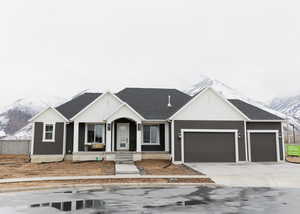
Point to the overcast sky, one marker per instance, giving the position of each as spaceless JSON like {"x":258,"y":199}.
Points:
{"x":58,"y":48}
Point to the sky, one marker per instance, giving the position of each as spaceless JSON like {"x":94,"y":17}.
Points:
{"x":59,"y":48}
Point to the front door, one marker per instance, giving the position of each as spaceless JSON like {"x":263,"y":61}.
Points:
{"x":123,"y":136}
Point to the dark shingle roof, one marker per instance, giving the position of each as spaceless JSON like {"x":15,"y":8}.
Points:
{"x":72,"y":107}
{"x":152,"y":103}
{"x":253,"y":112}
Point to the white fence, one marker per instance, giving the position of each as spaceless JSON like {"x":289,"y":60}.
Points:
{"x":14,"y":147}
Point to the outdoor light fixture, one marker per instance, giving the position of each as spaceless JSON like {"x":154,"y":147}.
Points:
{"x":179,"y":135}
{"x":139,"y":126}
{"x":108,"y":126}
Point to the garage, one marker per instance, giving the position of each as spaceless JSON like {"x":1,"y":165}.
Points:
{"x":263,"y":145}
{"x":205,"y":145}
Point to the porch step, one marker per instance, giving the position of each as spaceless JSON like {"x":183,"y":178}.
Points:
{"x":128,"y":169}
{"x":124,"y":157}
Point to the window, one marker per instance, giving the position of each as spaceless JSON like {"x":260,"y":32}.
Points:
{"x":49,"y":132}
{"x":95,"y":133}
{"x":151,"y":134}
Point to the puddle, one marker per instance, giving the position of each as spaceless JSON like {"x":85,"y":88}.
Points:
{"x":68,"y":206}
{"x":187,"y":199}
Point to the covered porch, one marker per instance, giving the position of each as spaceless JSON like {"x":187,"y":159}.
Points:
{"x":124,"y":132}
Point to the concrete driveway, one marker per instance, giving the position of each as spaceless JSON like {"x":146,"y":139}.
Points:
{"x":279,"y":175}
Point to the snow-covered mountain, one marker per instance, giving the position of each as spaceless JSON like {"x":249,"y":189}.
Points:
{"x":14,"y":118}
{"x":281,"y":107}
{"x":287,"y":105}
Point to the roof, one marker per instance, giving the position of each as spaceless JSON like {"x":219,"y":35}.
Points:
{"x":253,"y":112}
{"x":72,"y":107}
{"x":152,"y":103}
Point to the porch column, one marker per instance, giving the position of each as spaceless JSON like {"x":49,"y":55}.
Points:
{"x":167,"y":137}
{"x":76,"y":135}
{"x":138,"y":137}
{"x":108,"y":137}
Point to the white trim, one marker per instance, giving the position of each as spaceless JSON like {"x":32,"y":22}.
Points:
{"x":32,"y":139}
{"x":53,"y":133}
{"x":50,"y":107}
{"x":167,"y":136}
{"x":235,"y":131}
{"x":65,"y":139}
{"x":246,"y":141}
{"x":216,"y":93}
{"x":283,"y":142}
{"x":172,"y":142}
{"x":266,"y":121}
{"x":276,"y":132}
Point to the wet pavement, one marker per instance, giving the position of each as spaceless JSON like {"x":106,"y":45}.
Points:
{"x":184,"y":199}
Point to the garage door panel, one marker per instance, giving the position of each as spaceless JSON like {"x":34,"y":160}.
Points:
{"x":209,"y":147}
{"x":263,"y":147}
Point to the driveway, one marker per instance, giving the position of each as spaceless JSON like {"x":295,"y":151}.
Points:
{"x":251,"y":174}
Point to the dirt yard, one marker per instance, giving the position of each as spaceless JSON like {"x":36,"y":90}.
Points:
{"x":70,"y":183}
{"x":18,"y":166}
{"x":163,"y":167}
{"x":293,"y":159}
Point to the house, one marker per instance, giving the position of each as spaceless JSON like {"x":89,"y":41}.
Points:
{"x":153,"y":123}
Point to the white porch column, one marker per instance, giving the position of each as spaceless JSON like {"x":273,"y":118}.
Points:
{"x":76,"y":137}
{"x":108,"y":137}
{"x":167,"y":137}
{"x":138,"y":137}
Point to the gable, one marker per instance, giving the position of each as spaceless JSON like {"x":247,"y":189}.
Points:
{"x":48,"y":116}
{"x":124,"y":112}
{"x":208,"y":105}
{"x":77,"y":104}
{"x":100,"y":109}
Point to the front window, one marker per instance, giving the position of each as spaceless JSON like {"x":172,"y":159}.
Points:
{"x":95,"y":133}
{"x":49,"y":132}
{"x":151,"y":134}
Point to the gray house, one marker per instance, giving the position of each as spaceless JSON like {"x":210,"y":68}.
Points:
{"x":149,"y":123}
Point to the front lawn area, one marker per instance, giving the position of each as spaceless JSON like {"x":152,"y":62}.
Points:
{"x":18,"y":166}
{"x":163,"y":167}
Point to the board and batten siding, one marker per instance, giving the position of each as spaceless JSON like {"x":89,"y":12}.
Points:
{"x":268,"y":126}
{"x":190,"y":124}
{"x":48,"y":148}
{"x":69,"y":138}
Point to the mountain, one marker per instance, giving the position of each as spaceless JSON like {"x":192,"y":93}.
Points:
{"x":284,"y":108}
{"x":289,"y":105}
{"x":14,"y":118}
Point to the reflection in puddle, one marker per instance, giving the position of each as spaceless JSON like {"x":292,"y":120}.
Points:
{"x":68,"y":206}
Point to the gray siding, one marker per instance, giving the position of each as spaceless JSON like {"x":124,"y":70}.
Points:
{"x":81,"y":137}
{"x":194,"y":124}
{"x":268,"y":126}
{"x":70,"y":138}
{"x":48,"y":148}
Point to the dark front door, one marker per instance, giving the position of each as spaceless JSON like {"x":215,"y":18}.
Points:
{"x":263,"y":147}
{"x":209,"y":147}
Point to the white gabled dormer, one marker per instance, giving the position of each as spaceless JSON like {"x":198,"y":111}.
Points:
{"x":209,"y":105}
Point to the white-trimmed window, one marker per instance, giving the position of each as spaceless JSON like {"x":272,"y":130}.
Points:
{"x":151,"y":135}
{"x":49,"y":132}
{"x":95,"y":133}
